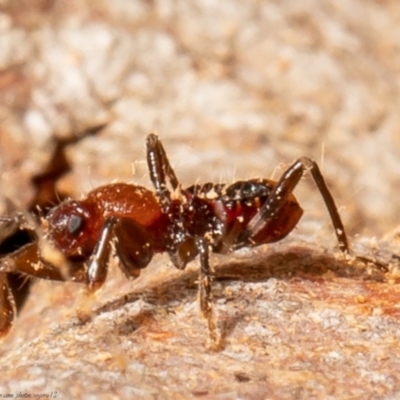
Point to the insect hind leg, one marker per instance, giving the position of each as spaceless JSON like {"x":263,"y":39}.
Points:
{"x":279,"y":195}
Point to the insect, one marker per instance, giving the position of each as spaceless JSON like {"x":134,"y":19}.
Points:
{"x":183,"y":222}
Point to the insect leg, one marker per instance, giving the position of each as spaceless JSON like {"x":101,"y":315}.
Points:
{"x":98,"y":265}
{"x":161,"y":172}
{"x":283,"y":189}
{"x":134,"y":246}
{"x":205,"y":292}
{"x":27,"y":260}
{"x":6,"y":306}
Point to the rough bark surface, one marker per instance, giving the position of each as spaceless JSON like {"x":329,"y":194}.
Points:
{"x":236,"y":90}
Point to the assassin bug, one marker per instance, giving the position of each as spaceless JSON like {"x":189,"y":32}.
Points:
{"x":183,"y":222}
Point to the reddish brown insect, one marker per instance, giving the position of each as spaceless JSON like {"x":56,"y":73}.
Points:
{"x":184,"y":222}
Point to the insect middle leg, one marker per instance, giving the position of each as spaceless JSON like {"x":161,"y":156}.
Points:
{"x":205,"y":293}
{"x":161,"y":172}
{"x":280,"y":194}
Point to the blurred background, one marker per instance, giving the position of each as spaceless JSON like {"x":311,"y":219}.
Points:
{"x":236,"y":90}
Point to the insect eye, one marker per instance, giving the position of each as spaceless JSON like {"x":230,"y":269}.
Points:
{"x":75,"y":223}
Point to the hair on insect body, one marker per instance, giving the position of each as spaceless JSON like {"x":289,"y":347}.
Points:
{"x":182,"y":222}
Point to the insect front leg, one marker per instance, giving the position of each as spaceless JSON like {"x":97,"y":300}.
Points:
{"x":205,"y":293}
{"x":38,"y":258}
{"x":6,"y":306}
{"x":29,"y":260}
{"x":98,"y":264}
{"x":133,"y":244}
{"x":280,"y":194}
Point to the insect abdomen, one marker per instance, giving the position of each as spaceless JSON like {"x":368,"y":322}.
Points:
{"x":240,"y":202}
